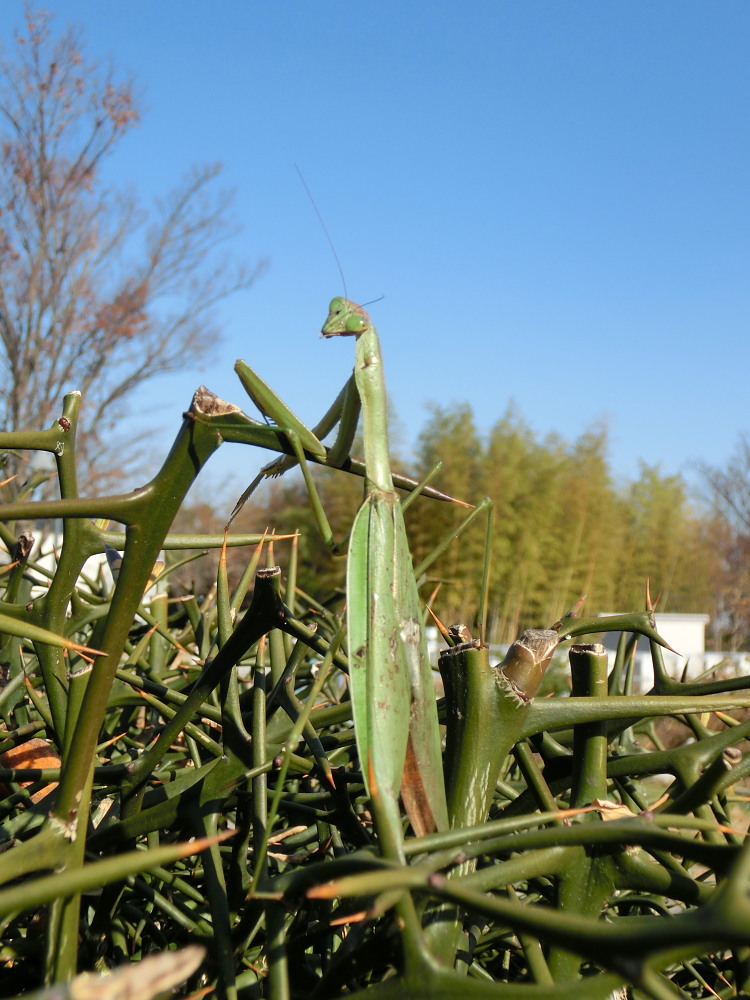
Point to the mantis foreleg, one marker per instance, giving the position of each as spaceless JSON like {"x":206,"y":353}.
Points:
{"x":298,"y":444}
{"x":344,"y":411}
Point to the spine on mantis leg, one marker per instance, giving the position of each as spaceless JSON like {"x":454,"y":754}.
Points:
{"x":393,"y":697}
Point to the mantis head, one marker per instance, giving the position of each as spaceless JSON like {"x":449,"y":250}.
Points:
{"x":345,"y":319}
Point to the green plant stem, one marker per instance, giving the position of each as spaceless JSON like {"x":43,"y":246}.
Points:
{"x":534,"y":778}
{"x":588,"y":665}
{"x":260,"y":780}
{"x":485,"y":711}
{"x":266,"y":612}
{"x":148,"y":514}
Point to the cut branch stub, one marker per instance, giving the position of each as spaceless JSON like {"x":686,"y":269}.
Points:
{"x":528,"y":658}
{"x":209,"y":404}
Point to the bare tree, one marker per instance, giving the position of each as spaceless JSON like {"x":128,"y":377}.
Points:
{"x":729,"y":491}
{"x":95,"y":293}
{"x":730,"y":487}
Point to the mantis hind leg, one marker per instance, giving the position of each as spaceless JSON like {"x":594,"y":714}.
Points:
{"x":246,"y":496}
{"x":320,"y":517}
{"x":486,"y":507}
{"x":269,"y":470}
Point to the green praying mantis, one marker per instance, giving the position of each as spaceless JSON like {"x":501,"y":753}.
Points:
{"x":391,"y":684}
{"x":393,"y":700}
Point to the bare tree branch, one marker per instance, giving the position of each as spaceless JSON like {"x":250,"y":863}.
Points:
{"x":729,"y":490}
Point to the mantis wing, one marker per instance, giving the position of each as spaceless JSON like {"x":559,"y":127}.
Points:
{"x":379,"y":679}
{"x":393,"y":698}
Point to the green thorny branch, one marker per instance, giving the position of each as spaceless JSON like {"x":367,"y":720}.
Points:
{"x":366,"y":859}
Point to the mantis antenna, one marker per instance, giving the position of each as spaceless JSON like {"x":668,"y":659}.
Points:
{"x":323,"y":227}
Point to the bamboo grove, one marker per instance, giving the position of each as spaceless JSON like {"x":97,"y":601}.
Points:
{"x":564,"y":526}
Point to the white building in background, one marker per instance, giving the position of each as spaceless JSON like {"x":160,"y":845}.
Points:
{"x":684,"y":633}
{"x":687,"y":635}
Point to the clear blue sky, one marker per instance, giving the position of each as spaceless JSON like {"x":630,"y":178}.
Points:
{"x":554,"y":198}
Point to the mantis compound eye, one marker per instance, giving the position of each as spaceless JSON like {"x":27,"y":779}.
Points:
{"x":336,"y":305}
